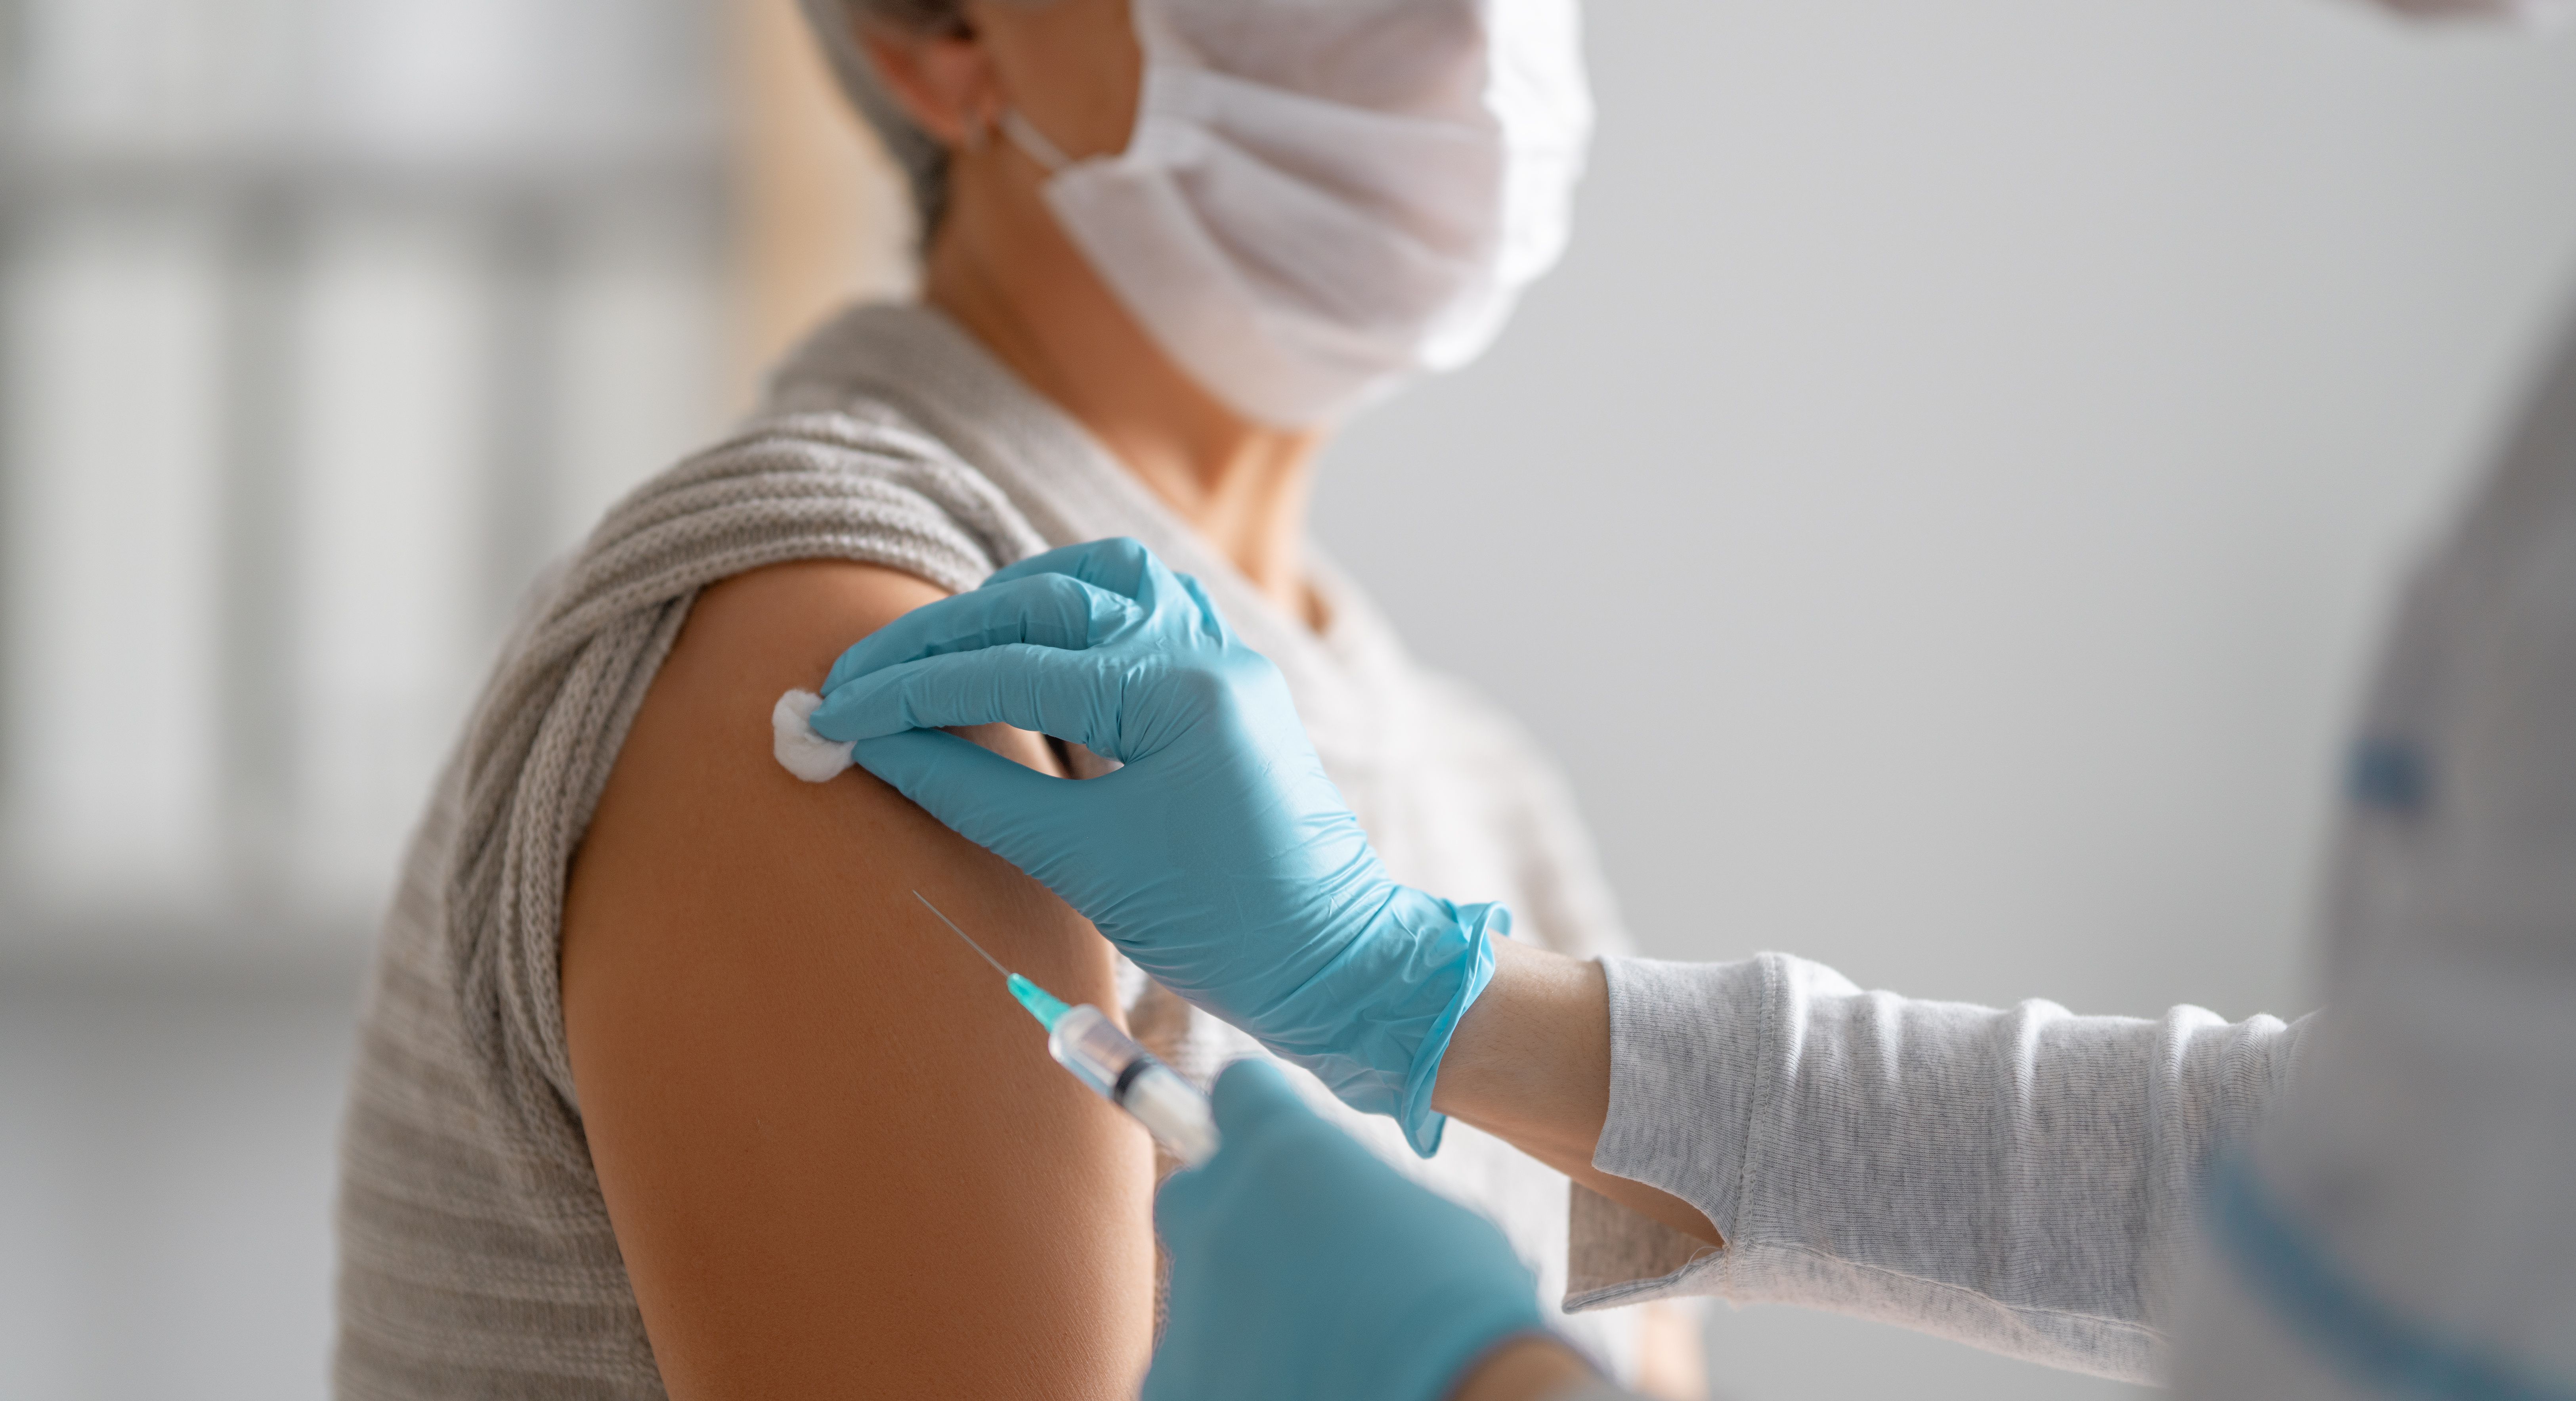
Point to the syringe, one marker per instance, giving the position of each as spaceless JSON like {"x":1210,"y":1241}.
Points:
{"x":1085,"y":1041}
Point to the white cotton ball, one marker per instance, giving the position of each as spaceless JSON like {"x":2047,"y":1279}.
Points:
{"x":800,"y":751}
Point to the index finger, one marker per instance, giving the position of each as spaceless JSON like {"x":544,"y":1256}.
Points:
{"x":1043,"y":610}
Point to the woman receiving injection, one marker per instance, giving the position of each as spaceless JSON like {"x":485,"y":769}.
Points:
{"x":663,"y":1088}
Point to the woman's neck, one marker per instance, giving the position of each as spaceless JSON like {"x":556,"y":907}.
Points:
{"x":1039,"y":308}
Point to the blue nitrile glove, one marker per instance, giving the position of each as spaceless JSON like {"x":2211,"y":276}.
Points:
{"x":1220,"y":859}
{"x":1302,"y":1266}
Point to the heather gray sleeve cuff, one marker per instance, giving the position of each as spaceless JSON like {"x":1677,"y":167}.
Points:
{"x":1685,"y":1057}
{"x":1685,"y":1039}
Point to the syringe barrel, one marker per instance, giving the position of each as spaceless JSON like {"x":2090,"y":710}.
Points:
{"x":1174,"y":1110}
{"x":1085,"y":1041}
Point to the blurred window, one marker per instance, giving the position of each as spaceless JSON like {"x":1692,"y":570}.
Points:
{"x":323,"y":324}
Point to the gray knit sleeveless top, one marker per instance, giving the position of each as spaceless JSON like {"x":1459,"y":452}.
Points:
{"x":476,"y":1255}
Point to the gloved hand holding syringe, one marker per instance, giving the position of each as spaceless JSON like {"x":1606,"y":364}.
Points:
{"x":1085,"y":1041}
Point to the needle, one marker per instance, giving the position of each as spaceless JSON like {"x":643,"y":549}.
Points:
{"x":960,"y":933}
{"x":1101,"y":1055}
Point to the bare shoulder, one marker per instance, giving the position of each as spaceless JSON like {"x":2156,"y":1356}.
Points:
{"x":835,"y":1154}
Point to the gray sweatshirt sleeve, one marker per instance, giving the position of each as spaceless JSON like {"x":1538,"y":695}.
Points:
{"x":2022,"y":1180}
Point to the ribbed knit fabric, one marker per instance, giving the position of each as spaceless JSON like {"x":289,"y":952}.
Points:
{"x":476,"y":1254}
{"x":477,"y":1257}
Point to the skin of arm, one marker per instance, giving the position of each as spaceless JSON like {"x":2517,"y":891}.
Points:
{"x":1530,"y":1064}
{"x":836,"y":1155}
{"x":1524,"y":1369}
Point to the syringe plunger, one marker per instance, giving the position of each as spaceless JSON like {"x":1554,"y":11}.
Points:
{"x":1086,"y":1042}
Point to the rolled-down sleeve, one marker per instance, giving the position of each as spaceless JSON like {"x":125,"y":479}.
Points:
{"x":2020,"y":1179}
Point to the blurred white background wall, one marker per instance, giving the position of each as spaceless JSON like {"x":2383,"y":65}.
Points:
{"x":1938,"y":515}
{"x":323,"y":323}
{"x":326,"y":322}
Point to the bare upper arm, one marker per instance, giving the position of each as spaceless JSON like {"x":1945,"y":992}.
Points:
{"x":835,"y":1154}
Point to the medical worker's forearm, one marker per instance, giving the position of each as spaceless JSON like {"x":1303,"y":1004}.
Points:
{"x":2017,"y":1178}
{"x":1530,"y":1064}
{"x":2014,"y":1178}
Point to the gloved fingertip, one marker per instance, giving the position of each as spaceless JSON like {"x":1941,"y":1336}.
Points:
{"x":1121,"y":563}
{"x":798,"y":747}
{"x":1126,"y":551}
{"x":837,"y":714}
{"x":1250,"y":1093}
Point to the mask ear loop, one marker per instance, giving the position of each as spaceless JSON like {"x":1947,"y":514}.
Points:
{"x":1033,"y":142}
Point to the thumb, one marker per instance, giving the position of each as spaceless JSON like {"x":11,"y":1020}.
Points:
{"x":1250,"y":1100}
{"x":1252,"y":1095}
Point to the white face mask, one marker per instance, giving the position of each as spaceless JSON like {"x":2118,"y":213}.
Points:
{"x":1323,"y":198}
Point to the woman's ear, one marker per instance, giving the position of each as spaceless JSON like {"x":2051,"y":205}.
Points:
{"x":944,"y":81}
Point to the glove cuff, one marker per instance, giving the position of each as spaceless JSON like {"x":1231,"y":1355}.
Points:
{"x":1374,"y":1025}
{"x":1477,"y":924}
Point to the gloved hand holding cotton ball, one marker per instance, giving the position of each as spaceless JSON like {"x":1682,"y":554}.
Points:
{"x":1220,"y":858}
